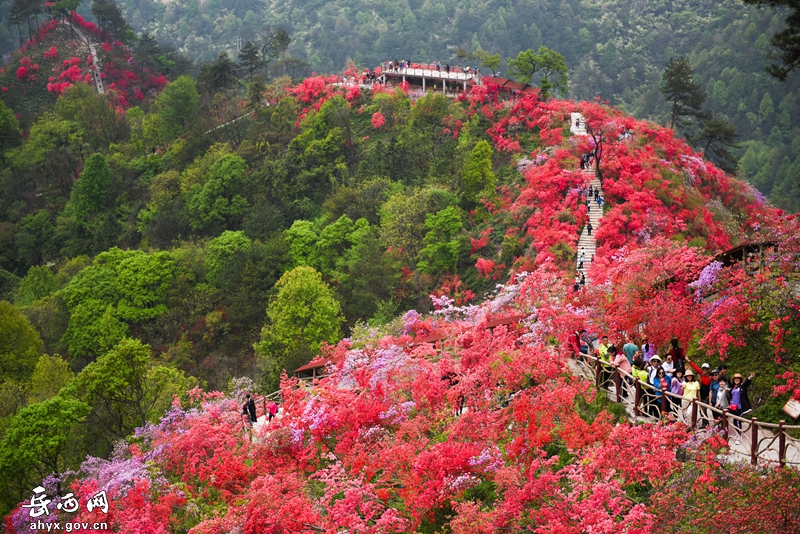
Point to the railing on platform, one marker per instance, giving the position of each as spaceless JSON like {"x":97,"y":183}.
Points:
{"x":262,"y":401}
{"x":747,"y":438}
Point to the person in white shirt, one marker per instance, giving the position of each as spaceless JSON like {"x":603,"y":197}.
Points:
{"x":668,"y":366}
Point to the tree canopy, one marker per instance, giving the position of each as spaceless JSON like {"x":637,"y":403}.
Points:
{"x":680,"y":89}
{"x":20,"y":344}
{"x":544,"y":65}
{"x":303,"y":314}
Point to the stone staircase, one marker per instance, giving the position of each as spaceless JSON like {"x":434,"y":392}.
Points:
{"x":577,"y":124}
{"x":586,"y":242}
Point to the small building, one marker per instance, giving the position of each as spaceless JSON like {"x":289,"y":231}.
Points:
{"x":429,"y":76}
{"x":313,"y":369}
{"x":510,"y":87}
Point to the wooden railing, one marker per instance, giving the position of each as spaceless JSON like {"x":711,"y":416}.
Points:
{"x":261,"y":402}
{"x":757,"y":441}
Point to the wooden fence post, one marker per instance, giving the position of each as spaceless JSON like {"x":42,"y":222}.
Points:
{"x":694,"y":413}
{"x":724,"y":424}
{"x":618,"y":384}
{"x":754,"y":441}
{"x":597,"y":368}
{"x":637,"y":398}
{"x":781,"y":443}
{"x":664,"y":404}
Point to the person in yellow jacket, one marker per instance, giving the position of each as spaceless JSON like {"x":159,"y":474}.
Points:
{"x":602,"y":349}
{"x":691,"y":388}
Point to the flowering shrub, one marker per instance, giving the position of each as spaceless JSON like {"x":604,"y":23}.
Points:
{"x":377,"y":120}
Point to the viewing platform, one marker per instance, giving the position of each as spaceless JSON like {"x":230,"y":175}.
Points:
{"x":428,"y":76}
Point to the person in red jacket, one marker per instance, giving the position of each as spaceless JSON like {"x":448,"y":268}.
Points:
{"x":705,"y":379}
{"x":574,"y":344}
{"x":677,"y":354}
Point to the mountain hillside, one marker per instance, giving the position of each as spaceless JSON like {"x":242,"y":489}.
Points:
{"x":459,"y":414}
{"x":616,"y":49}
{"x":58,"y":58}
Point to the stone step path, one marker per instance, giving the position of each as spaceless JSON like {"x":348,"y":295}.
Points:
{"x":98,"y":81}
{"x":577,"y":124}
{"x":587,"y":245}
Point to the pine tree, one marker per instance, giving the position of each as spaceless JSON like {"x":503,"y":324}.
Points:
{"x":787,"y":41}
{"x":110,"y":18}
{"x":250,"y":58}
{"x":146,"y":51}
{"x":716,"y":137}
{"x":219,"y":75}
{"x":679,"y":87}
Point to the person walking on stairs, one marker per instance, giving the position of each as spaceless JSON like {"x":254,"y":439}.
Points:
{"x":589,"y":228}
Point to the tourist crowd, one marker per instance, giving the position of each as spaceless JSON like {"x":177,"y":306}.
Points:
{"x":674,"y":372}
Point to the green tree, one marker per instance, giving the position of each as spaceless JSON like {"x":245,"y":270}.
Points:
{"x":93,"y":329}
{"x":478,"y":180}
{"x":220,"y":251}
{"x":678,"y":86}
{"x":121,"y":287}
{"x":65,"y":7}
{"x":100,"y":123}
{"x":92,"y":191}
{"x":272,"y":44}
{"x":37,"y":444}
{"x":146,"y":52}
{"x":323,"y":249}
{"x":49,"y":162}
{"x":442,"y":243}
{"x":217,"y":201}
{"x":9,"y":129}
{"x":110,"y":18}
{"x":20,"y":345}
{"x":403,"y":222}
{"x":39,"y":282}
{"x":50,"y":317}
{"x":766,"y":108}
{"x":302,"y":315}
{"x":545,"y":64}
{"x":786,"y":41}
{"x":125,"y":390}
{"x":250,"y":58}
{"x":50,"y":375}
{"x":177,"y":106}
{"x":13,"y":396}
{"x":35,"y":239}
{"x":142,"y":284}
{"x":716,"y":137}
{"x":490,"y":61}
{"x":218,"y":75}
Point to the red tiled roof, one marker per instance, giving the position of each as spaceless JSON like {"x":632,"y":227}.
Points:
{"x":531,"y":90}
{"x":431,"y":338}
{"x":514,"y":86}
{"x":505,"y":320}
{"x":495,"y":80}
{"x":316,"y":363}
